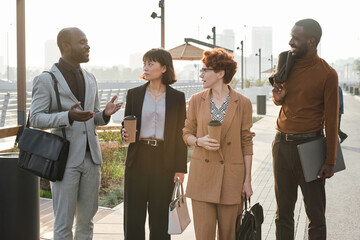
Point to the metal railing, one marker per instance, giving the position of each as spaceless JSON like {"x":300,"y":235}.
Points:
{"x":8,"y":104}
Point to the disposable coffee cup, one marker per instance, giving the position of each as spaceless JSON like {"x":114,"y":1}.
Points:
{"x":214,"y":130}
{"x":130,"y":126}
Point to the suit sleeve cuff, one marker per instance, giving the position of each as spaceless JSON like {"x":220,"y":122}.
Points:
{"x":70,"y":120}
{"x":106,"y":118}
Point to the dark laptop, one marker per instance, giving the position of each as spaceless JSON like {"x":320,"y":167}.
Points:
{"x":312,"y":157}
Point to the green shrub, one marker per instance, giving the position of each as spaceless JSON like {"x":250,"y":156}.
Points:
{"x":45,"y":194}
{"x":113,"y":197}
{"x":113,"y":167}
{"x":256,"y":118}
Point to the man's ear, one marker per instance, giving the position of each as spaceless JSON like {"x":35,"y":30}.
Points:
{"x":65,"y":46}
{"x":312,"y":42}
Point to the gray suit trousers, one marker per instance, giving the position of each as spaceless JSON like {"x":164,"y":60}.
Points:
{"x":76,"y":196}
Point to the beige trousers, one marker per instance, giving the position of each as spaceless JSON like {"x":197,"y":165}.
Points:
{"x":207,"y":216}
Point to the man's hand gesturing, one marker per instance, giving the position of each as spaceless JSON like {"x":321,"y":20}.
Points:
{"x":78,"y":115}
{"x":112,"y":107}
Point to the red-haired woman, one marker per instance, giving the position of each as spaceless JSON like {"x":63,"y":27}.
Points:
{"x":220,"y":172}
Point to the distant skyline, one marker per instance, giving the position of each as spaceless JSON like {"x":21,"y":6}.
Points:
{"x":118,"y":29}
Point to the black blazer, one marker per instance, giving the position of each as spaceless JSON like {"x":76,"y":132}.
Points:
{"x":175,"y":150}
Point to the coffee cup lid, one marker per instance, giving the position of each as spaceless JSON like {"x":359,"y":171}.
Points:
{"x":214,"y":123}
{"x":132,"y":117}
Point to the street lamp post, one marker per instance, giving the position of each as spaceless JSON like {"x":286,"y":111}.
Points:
{"x":271,"y":62}
{"x":162,"y":17}
{"x":162,"y":6}
{"x":213,"y":37}
{"x":242,"y":63}
{"x":7,"y":57}
{"x":259,"y":55}
{"x":245,"y":51}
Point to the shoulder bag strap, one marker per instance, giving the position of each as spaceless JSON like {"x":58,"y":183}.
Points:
{"x":57,"y":98}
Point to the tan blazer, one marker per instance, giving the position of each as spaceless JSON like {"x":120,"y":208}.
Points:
{"x":218,"y":176}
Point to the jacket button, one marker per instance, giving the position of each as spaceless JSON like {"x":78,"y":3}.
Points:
{"x":229,"y":143}
{"x":222,"y":162}
{"x":84,"y":132}
{"x":207,"y":160}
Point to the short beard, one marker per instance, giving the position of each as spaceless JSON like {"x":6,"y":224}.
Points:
{"x":302,"y":52}
{"x":79,"y":57}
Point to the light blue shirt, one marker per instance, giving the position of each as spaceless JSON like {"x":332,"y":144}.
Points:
{"x":152,"y":118}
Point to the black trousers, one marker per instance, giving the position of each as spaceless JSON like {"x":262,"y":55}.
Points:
{"x":288,"y":176}
{"x":148,"y":187}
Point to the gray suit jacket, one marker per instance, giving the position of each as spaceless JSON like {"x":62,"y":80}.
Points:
{"x":44,"y":114}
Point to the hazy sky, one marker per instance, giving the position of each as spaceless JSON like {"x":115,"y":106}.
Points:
{"x":118,"y":28}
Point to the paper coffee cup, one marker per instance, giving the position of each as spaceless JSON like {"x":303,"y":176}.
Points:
{"x":214,"y":129}
{"x":130,"y":126}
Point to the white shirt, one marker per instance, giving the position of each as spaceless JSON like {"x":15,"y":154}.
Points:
{"x":152,"y":118}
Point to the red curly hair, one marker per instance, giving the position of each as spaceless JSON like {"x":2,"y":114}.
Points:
{"x":220,"y":59}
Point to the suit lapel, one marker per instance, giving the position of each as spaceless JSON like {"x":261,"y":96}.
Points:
{"x":169,"y":102}
{"x":205,"y":110}
{"x":229,"y":115}
{"x":88,"y":91}
{"x":139,"y":98}
{"x":63,"y":84}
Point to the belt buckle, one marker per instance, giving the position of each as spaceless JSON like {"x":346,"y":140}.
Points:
{"x":153,"y":143}
{"x":287,"y":138}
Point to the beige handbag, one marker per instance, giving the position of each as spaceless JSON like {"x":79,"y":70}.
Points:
{"x":178,"y":212}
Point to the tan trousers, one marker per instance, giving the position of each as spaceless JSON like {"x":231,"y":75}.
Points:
{"x":207,"y":215}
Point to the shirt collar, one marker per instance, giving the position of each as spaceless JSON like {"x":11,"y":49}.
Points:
{"x":66,"y":66}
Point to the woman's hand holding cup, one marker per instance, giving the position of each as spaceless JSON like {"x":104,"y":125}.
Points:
{"x":208,"y":143}
{"x":124,"y":135}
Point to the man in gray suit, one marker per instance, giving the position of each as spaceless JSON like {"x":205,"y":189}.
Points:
{"x":77,"y":194}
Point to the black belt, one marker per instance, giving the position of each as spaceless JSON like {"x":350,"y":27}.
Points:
{"x":298,"y":137}
{"x":152,"y":142}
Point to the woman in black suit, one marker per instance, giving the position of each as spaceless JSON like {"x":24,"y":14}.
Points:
{"x":158,"y":157}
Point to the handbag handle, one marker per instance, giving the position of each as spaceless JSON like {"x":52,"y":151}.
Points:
{"x":178,"y":190}
{"x":246,"y":204}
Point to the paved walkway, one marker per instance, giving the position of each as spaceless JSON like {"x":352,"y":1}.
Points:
{"x":343,"y":190}
{"x":111,"y":226}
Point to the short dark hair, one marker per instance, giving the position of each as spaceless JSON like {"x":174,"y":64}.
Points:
{"x":64,"y":36}
{"x":220,"y":59}
{"x":311,"y":27}
{"x":164,"y":58}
